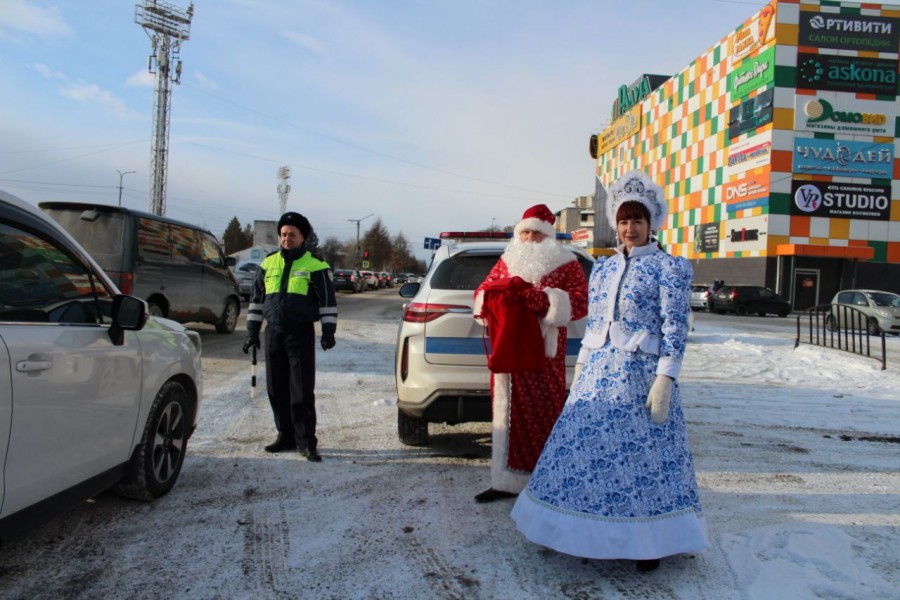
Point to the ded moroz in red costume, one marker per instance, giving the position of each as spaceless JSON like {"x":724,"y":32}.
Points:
{"x":526,"y":404}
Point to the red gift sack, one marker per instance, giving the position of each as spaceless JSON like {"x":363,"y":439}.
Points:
{"x":517,"y":343}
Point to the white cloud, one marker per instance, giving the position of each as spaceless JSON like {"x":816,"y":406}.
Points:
{"x":304,"y":41}
{"x":90,"y":92}
{"x":205,"y":83}
{"x":142,"y":78}
{"x":86,"y":92}
{"x":21,"y":16}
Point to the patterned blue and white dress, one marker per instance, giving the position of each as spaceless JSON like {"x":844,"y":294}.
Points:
{"x":611,"y":483}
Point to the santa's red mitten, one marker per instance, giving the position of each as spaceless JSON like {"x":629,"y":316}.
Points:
{"x":537,"y":301}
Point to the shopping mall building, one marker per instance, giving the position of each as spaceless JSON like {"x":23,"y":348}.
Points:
{"x":777,"y":151}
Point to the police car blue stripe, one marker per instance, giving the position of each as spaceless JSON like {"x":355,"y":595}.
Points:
{"x":453,"y":345}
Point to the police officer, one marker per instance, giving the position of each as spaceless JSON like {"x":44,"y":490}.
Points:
{"x":292,"y":290}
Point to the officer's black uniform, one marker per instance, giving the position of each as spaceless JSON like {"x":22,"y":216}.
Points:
{"x":292,"y":290}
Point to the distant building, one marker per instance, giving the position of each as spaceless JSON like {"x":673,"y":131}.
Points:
{"x":777,"y":150}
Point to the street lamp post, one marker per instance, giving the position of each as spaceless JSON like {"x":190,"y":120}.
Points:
{"x":121,"y":175}
{"x":356,"y":264}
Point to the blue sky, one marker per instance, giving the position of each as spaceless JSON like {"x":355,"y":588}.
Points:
{"x":433,"y":115}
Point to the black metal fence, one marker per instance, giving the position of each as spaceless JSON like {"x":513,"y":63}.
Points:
{"x":842,"y":327}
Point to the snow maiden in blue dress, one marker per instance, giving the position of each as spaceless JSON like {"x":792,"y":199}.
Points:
{"x":616,"y":477}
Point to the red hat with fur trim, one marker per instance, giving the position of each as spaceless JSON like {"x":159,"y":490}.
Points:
{"x":537,"y":218}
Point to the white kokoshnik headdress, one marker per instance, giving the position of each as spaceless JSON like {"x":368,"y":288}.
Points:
{"x":636,"y":186}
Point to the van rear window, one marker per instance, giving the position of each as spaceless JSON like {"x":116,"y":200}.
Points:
{"x":99,"y":232}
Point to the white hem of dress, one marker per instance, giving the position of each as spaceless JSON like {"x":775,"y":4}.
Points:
{"x":592,"y":536}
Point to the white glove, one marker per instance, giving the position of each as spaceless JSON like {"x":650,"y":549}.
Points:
{"x":658,"y":399}
{"x":578,"y":367}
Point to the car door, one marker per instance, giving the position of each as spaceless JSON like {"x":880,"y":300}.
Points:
{"x":74,"y":395}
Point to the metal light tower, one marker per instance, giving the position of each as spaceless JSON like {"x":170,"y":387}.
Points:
{"x":167,"y":26}
{"x":284,"y":188}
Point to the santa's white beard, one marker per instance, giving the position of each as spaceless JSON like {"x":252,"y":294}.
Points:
{"x":533,"y":260}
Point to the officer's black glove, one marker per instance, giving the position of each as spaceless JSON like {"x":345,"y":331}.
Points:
{"x":252,"y":342}
{"x":327,"y":341}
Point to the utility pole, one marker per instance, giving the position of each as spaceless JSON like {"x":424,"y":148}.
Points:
{"x":284,"y":188}
{"x":167,"y":26}
{"x":356,"y":264}
{"x":121,"y":175}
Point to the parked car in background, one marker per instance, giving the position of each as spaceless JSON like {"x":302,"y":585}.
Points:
{"x":385,"y":278}
{"x":699,"y":296}
{"x":371,"y":279}
{"x":349,"y":280}
{"x":245,"y":273}
{"x":881,"y":310}
{"x":748,"y":299}
{"x":94,"y":393}
{"x":179,"y":269}
{"x":440,"y":366}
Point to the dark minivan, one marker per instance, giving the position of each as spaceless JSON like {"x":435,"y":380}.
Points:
{"x":178,"y":268}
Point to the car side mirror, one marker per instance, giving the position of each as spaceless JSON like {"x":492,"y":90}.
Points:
{"x":128,"y":314}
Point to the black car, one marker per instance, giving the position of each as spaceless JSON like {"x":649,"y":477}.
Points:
{"x":747,"y":299}
{"x":349,"y":280}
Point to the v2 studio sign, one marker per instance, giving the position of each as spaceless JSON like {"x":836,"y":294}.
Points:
{"x":840,"y":200}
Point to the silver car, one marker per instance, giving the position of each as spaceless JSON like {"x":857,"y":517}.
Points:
{"x":881,"y":310}
{"x":94,"y":393}
{"x":440,"y":363}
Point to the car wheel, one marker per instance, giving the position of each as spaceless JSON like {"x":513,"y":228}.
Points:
{"x":154,"y":309}
{"x":872,"y":327}
{"x":156,"y":462}
{"x":229,"y":317}
{"x":412,"y":431}
{"x":784,"y":312}
{"x":831,"y":323}
{"x":761,"y":313}
{"x":742,"y":310}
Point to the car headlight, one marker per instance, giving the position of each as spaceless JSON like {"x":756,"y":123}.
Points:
{"x":195,"y":339}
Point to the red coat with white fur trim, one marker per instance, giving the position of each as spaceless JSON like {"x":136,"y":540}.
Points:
{"x":526,"y":405}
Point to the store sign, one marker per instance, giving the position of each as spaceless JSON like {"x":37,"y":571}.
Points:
{"x":706,"y":238}
{"x":843,"y":158}
{"x":623,"y":128}
{"x":752,"y":74}
{"x":841,"y":200}
{"x":753,"y":34}
{"x":849,"y":32}
{"x":745,"y":235}
{"x":847,"y":74}
{"x":629,"y":95}
{"x":748,"y":192}
{"x":843,"y":113}
{"x":750,"y":114}
{"x":581,"y":235}
{"x":749,"y":154}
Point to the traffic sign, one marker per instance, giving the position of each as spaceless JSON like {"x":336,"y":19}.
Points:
{"x":432,"y":243}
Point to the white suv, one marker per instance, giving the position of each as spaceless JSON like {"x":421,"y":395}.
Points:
{"x":93,"y":392}
{"x":440,"y":363}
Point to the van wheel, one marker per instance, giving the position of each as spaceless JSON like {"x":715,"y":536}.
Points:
{"x":412,"y":431}
{"x":154,"y":309}
{"x":229,"y":317}
{"x":156,"y":463}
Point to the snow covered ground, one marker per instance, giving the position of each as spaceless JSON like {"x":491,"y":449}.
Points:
{"x":796,"y":454}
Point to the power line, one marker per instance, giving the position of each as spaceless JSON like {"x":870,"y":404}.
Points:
{"x":363,"y":148}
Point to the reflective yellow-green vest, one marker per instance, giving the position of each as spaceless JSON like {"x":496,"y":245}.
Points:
{"x":298,"y":278}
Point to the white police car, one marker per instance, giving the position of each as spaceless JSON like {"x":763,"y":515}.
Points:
{"x":440,"y":363}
